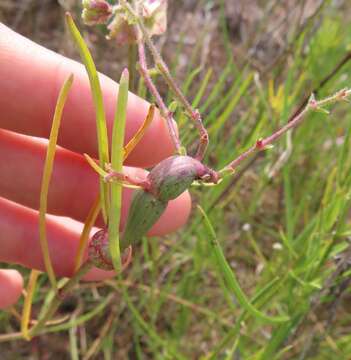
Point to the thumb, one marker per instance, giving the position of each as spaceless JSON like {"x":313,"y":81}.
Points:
{"x":11,"y":284}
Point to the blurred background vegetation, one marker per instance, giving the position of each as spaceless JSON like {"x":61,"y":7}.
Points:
{"x":283,"y":220}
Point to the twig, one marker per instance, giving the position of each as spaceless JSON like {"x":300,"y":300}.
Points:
{"x":162,"y":67}
{"x":262,"y":144}
{"x":165,"y":112}
{"x":303,"y":103}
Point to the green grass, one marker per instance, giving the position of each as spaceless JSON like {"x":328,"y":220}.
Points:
{"x":279,"y":236}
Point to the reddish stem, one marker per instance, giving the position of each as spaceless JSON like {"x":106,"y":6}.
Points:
{"x":262,"y":144}
{"x":165,"y":112}
{"x":161,"y":65}
{"x":193,"y":113}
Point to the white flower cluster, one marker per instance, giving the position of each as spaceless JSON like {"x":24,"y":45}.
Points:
{"x":120,"y":24}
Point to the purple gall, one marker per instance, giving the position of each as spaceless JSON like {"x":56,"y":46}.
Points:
{"x":172,"y":176}
{"x":99,"y":253}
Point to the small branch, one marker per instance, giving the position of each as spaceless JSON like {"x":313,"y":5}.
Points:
{"x":303,"y":103}
{"x":262,"y":144}
{"x":165,"y":112}
{"x":162,"y":67}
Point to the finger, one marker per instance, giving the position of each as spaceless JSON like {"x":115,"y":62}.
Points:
{"x":11,"y":284}
{"x":31,"y":77}
{"x":74,"y":185}
{"x":19,"y":239}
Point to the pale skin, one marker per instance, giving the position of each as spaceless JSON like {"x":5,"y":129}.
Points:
{"x":31,"y":77}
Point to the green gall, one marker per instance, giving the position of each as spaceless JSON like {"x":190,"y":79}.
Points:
{"x":144,"y":211}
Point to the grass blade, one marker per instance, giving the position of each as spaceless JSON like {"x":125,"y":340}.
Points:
{"x":48,"y":167}
{"x":117,"y":157}
{"x":73,"y":341}
{"x":201,"y":90}
{"x":230,"y":278}
{"x":99,"y":107}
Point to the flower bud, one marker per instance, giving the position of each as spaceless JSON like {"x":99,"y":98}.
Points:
{"x":172,"y":176}
{"x":96,"y":12}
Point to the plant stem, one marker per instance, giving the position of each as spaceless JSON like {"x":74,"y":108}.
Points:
{"x":57,"y":299}
{"x":163,"y":68}
{"x":165,"y":112}
{"x":262,"y":144}
{"x":132,"y":59}
{"x":117,"y":156}
{"x":98,"y":101}
{"x":194,"y":114}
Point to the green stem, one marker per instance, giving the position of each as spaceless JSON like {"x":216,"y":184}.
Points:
{"x":132,"y":60}
{"x":99,"y":107}
{"x":163,"y":68}
{"x":117,"y":156}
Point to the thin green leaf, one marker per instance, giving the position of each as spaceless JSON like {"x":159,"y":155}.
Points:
{"x":73,"y":341}
{"x":117,"y":157}
{"x":99,"y":106}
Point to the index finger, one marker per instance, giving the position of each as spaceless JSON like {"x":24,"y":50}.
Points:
{"x":31,"y":77}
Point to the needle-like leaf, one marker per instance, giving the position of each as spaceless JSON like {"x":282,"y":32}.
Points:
{"x":48,"y":167}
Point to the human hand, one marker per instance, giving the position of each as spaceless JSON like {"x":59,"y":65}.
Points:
{"x":31,"y":77}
